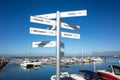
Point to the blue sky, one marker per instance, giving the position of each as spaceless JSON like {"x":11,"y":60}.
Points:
{"x":99,"y":30}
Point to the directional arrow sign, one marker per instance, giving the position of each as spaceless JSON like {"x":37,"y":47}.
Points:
{"x":74,"y":13}
{"x":70,"y":35}
{"x":41,"y":20}
{"x":45,"y":44}
{"x":40,"y":31}
{"x":65,"y":14}
{"x":47,"y":16}
{"x":69,"y":26}
{"x":52,"y":22}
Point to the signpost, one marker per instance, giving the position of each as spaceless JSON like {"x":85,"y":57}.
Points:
{"x":45,"y":19}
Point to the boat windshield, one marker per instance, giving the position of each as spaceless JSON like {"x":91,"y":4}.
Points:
{"x":117,"y":70}
{"x":109,"y":70}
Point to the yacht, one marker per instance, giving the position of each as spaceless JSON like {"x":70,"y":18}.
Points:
{"x":28,"y":63}
{"x":97,"y":59}
{"x":30,"y":68}
{"x":113,"y":73}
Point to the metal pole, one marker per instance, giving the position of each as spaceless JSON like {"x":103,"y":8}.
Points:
{"x":119,"y":63}
{"x":94,"y":63}
{"x":58,"y":35}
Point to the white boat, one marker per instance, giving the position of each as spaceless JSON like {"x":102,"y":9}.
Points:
{"x":27,"y":63}
{"x":97,"y":59}
{"x":36,"y":63}
{"x":67,"y":76}
{"x":29,"y":68}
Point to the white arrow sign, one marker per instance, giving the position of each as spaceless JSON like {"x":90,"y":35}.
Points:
{"x":40,"y":31}
{"x":52,"y":22}
{"x":47,"y":16}
{"x":41,"y":20}
{"x":70,"y":35}
{"x":45,"y":44}
{"x":65,"y":14}
{"x":73,"y":13}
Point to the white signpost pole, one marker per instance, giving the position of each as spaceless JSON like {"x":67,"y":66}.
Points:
{"x":58,"y":35}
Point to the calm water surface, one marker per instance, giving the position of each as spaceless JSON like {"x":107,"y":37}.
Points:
{"x":15,"y":72}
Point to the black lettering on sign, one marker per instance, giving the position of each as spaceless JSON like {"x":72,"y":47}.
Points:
{"x":71,"y":13}
{"x":43,"y":43}
{"x":38,"y":20}
{"x":51,"y":32}
{"x":79,"y":12}
{"x":39,"y":31}
{"x":68,"y":34}
{"x":48,"y":21}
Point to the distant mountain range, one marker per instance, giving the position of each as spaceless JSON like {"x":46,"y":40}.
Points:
{"x":96,"y":53}
{"x":106,"y":53}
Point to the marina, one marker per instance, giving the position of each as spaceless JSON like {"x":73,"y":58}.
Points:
{"x":46,"y":70}
{"x":60,"y":40}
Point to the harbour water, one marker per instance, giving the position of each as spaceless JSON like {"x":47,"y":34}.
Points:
{"x":14,"y":72}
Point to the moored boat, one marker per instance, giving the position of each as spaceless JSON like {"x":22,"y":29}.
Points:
{"x":28,"y":63}
{"x":97,"y":59}
{"x":29,"y":68}
{"x":67,"y":76}
{"x":113,"y":73}
{"x":86,"y":60}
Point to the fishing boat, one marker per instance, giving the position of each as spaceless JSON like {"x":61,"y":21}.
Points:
{"x":113,"y":73}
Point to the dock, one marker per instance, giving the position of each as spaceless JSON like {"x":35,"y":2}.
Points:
{"x":3,"y":62}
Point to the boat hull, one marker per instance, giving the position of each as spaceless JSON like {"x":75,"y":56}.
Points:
{"x":108,"y":76}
